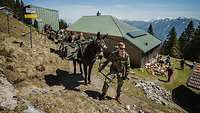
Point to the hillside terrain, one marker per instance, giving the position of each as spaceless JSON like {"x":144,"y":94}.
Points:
{"x":37,"y":80}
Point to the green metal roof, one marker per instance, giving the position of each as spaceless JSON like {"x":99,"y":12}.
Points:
{"x":113,"y":26}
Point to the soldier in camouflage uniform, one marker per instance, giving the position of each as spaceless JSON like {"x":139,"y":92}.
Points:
{"x":119,"y":68}
{"x":62,"y":34}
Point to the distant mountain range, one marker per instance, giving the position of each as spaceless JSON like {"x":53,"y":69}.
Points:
{"x":162,"y":27}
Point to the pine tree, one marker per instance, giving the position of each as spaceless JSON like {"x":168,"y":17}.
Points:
{"x":17,"y":8}
{"x":11,"y":4}
{"x":63,"y":24}
{"x":5,"y":3}
{"x":171,"y":46}
{"x":190,"y":30}
{"x":2,"y":3}
{"x":150,"y":29}
{"x":193,"y":49}
{"x":8,"y":3}
{"x":22,"y":11}
{"x":186,"y":37}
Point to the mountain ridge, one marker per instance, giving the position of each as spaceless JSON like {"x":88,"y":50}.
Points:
{"x":162,"y":26}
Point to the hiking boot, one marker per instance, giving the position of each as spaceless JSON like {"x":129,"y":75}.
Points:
{"x":102,"y":96}
{"x":118,"y":100}
{"x":89,"y":82}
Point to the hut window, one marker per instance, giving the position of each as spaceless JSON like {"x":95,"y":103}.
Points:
{"x":136,"y":34}
{"x":146,"y":44}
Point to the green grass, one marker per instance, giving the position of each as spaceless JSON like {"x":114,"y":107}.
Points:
{"x":179,"y":77}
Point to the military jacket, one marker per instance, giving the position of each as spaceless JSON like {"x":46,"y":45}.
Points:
{"x":119,"y":64}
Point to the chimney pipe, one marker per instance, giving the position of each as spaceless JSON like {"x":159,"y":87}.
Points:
{"x":98,"y":13}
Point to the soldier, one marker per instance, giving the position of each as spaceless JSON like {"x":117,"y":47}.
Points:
{"x":61,"y":35}
{"x":182,"y":62}
{"x":119,"y":68}
{"x":169,"y":73}
{"x":81,"y":37}
{"x":168,"y":60}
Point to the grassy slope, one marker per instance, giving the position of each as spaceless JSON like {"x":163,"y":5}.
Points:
{"x":26,"y":60}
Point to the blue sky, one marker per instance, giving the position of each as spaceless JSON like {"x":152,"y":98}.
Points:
{"x":71,"y":10}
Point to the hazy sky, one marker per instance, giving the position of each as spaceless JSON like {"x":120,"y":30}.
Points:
{"x":71,"y":10}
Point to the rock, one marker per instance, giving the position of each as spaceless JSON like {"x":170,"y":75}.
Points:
{"x":36,"y":91}
{"x":141,"y":111}
{"x":7,"y":95}
{"x":154,"y":91}
{"x":30,"y":107}
{"x":3,"y":59}
{"x":134,"y":106}
{"x":133,"y":111}
{"x":40,"y":68}
{"x":8,"y":59}
{"x":128,"y":107}
{"x":10,"y":67}
{"x":1,"y":71}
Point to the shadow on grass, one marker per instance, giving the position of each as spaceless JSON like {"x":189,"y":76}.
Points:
{"x":96,"y":95}
{"x":163,"y":80}
{"x":52,"y":50}
{"x":93,"y":94}
{"x":186,"y":98}
{"x":178,"y":68}
{"x":69,"y":81}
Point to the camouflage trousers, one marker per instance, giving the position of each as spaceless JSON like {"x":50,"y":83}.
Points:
{"x":108,"y":82}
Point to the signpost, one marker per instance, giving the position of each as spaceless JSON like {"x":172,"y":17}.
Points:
{"x":31,"y":14}
{"x":30,"y":10}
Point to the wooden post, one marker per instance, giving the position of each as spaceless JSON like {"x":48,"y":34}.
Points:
{"x":31,"y":35}
{"x":8,"y":23}
{"x":31,"y":14}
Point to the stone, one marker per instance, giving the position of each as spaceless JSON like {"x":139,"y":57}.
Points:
{"x":30,"y":107}
{"x":128,"y":107}
{"x":10,"y":67}
{"x":40,"y":68}
{"x":36,"y":91}
{"x":154,"y":91}
{"x":8,"y":99}
{"x":141,"y":111}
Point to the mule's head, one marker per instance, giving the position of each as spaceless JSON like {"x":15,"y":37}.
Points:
{"x":100,"y":44}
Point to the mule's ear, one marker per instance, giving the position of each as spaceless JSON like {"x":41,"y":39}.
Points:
{"x":98,"y":35}
{"x":105,"y":36}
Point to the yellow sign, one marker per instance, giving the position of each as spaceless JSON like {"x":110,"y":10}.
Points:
{"x":32,"y":16}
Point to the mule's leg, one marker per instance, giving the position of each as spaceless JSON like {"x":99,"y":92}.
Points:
{"x":80,"y":65}
{"x":85,"y":72}
{"x":74,"y":63}
{"x":90,"y":70}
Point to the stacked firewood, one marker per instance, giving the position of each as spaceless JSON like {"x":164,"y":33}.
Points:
{"x":156,"y":66}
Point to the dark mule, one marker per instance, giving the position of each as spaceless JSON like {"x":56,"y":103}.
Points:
{"x":88,"y":56}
